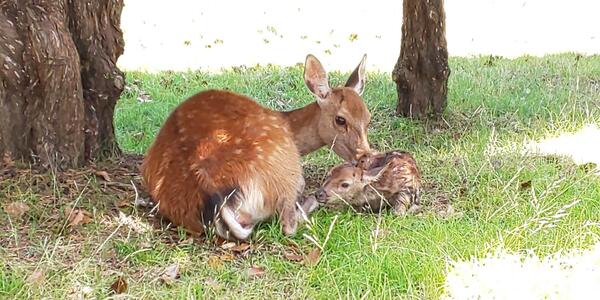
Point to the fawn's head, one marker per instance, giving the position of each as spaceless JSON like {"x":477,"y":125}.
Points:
{"x":344,"y":117}
{"x":345,"y":181}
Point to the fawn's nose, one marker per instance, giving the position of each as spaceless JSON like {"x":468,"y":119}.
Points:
{"x":321,"y":195}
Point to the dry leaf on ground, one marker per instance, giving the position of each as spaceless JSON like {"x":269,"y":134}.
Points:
{"x":313,"y":257}
{"x":119,"y":286}
{"x":78,"y":216}
{"x":187,"y":242}
{"x":215,"y":262}
{"x":104,"y":175}
{"x":525,"y":185}
{"x":228,"y":245}
{"x":226,"y":257}
{"x":170,"y":274}
{"x":255,"y":271}
{"x":122,"y":203}
{"x":219,"y":240}
{"x":240,"y":248}
{"x":16,"y":209}
{"x":289,"y":255}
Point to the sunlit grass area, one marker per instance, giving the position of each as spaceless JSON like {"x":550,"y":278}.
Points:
{"x":474,"y":157}
{"x":505,"y":275}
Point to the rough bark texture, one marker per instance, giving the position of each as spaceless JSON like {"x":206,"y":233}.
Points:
{"x":421,"y":73}
{"x":58,"y":80}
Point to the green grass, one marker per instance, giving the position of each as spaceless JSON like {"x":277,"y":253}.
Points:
{"x":470,"y":157}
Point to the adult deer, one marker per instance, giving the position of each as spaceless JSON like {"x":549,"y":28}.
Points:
{"x":221,"y":157}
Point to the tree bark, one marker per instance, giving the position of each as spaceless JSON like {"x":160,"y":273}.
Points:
{"x":58,"y":79}
{"x":421,"y":73}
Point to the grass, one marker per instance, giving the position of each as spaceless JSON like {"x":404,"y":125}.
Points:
{"x":471,"y":157}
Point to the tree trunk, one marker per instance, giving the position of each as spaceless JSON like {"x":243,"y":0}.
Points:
{"x":58,"y":79}
{"x":421,"y":73}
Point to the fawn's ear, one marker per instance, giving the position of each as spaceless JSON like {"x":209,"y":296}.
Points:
{"x":357,"y":78}
{"x":315,"y":78}
{"x":373,"y":174}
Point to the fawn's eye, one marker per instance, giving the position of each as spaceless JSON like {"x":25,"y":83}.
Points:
{"x":340,"y":121}
{"x":345,"y":185}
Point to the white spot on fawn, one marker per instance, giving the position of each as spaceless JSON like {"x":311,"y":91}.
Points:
{"x":237,"y":151}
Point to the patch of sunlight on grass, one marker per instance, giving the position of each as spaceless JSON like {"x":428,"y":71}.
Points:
{"x":582,"y":146}
{"x":509,"y":275}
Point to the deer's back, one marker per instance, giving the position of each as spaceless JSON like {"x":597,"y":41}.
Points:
{"x":214,"y":142}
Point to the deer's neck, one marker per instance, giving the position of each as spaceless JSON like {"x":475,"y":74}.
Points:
{"x":304,"y":123}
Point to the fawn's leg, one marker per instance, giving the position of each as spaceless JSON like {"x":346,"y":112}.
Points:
{"x":401,"y":203}
{"x":407,"y":201}
{"x":415,"y":206}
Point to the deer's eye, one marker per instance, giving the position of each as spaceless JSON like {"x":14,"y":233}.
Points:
{"x":340,"y":121}
{"x":345,"y":185}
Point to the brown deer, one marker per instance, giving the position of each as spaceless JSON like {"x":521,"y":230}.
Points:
{"x":222,"y":158}
{"x":377,"y":180}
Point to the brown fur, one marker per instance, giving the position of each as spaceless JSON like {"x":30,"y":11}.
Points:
{"x":221,"y":154}
{"x":392,"y":175}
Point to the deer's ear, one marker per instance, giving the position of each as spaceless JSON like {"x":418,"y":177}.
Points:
{"x":372,"y":174}
{"x":315,"y":78}
{"x":357,"y":78}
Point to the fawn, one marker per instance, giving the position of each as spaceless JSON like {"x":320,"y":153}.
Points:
{"x":223,"y":159}
{"x":391,"y":179}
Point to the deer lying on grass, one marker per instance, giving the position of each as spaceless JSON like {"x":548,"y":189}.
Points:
{"x":222,"y":158}
{"x":388,"y":179}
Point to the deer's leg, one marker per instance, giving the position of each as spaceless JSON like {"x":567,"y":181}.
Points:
{"x":289,"y":215}
{"x":294,"y":213}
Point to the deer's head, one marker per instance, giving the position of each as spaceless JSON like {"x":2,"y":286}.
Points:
{"x":344,"y":117}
